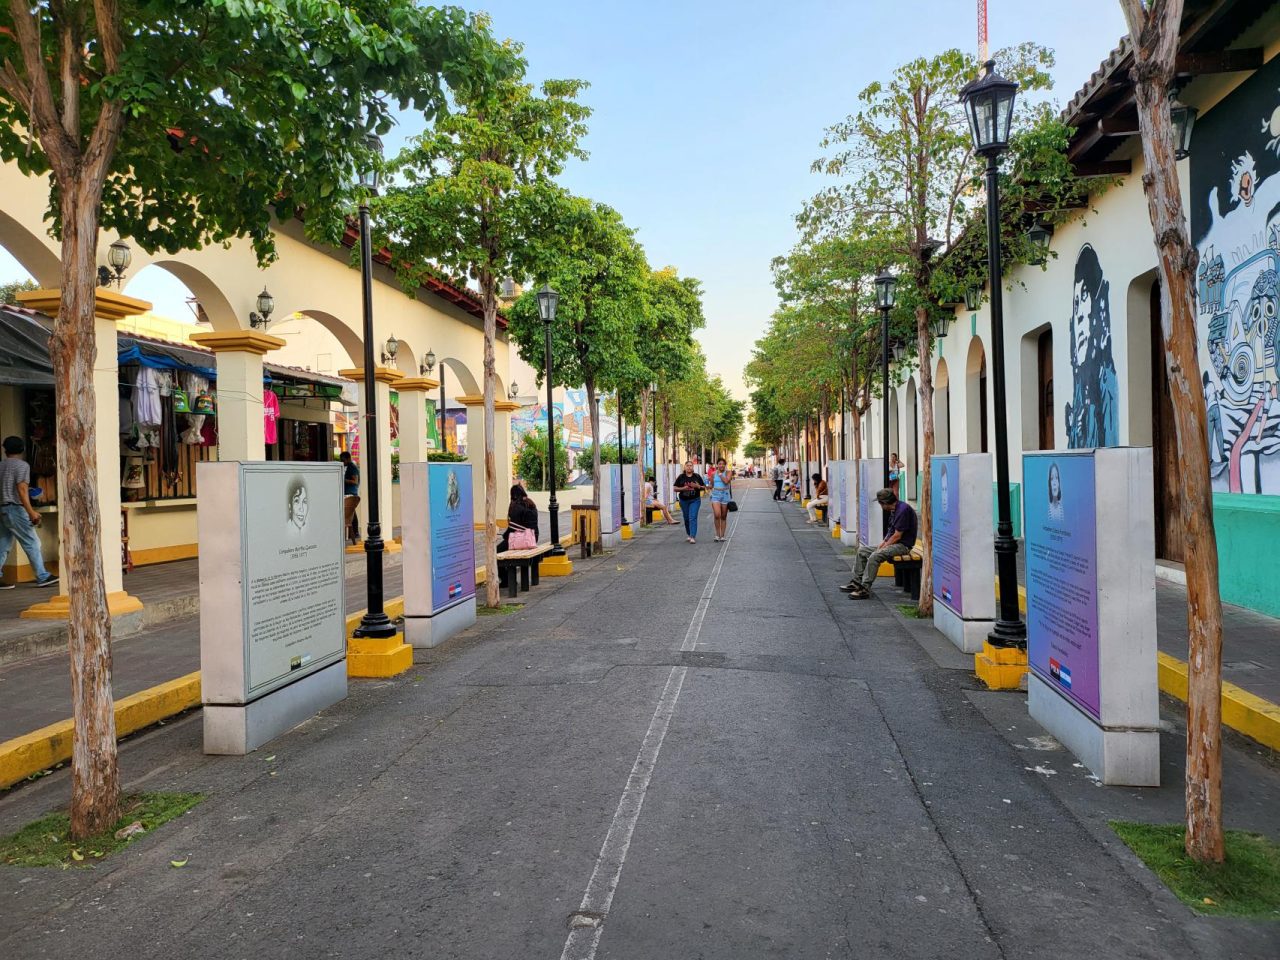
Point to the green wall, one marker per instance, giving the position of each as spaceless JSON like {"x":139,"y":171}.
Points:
{"x":1015,"y":508}
{"x":1248,"y":529}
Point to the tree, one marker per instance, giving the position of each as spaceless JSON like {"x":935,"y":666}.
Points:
{"x":754,"y":449}
{"x":665,"y":334}
{"x":477,"y":189}
{"x":909,"y":158}
{"x":592,"y":260}
{"x":179,"y":125}
{"x":531,"y":459}
{"x":9,"y":291}
{"x":1154,"y":29}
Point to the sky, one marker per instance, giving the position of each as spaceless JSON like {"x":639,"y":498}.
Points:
{"x":708,"y":113}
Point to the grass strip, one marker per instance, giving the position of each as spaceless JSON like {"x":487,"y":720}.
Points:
{"x":47,"y":842}
{"x":1245,"y":884}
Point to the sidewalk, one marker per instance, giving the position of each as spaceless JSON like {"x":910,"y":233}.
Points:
{"x":36,"y":691}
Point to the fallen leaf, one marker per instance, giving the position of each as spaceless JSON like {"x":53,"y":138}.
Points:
{"x":268,"y":759}
{"x":1211,"y":901}
{"x":179,"y":863}
{"x":97,"y":854}
{"x":77,"y":855}
{"x":133,"y":829}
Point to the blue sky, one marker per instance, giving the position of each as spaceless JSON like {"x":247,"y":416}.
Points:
{"x":709,"y":112}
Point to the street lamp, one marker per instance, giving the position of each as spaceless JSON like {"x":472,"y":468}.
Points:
{"x":972,"y":297}
{"x":119,"y":256}
{"x":989,"y":102}
{"x":886,"y":295}
{"x":1184,"y":121}
{"x":375,"y":622}
{"x":390,"y":349}
{"x":428,"y":363}
{"x":653,"y":399}
{"x":547,"y":300}
{"x":622,"y":469}
{"x":1038,"y":237}
{"x":513,"y":391}
{"x":266,"y":305}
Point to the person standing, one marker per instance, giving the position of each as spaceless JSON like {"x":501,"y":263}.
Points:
{"x":18,"y":518}
{"x":350,"y":496}
{"x":721,"y":494}
{"x":899,"y":540}
{"x":776,"y":476}
{"x":690,"y":485}
{"x":820,"y":498}
{"x":895,"y":474}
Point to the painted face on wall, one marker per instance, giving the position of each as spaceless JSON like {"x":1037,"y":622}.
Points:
{"x":1264,"y":302}
{"x":1081,"y":318}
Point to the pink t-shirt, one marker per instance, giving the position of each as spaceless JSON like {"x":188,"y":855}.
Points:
{"x":270,"y":414}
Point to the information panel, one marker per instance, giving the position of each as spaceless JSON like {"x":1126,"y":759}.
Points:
{"x":835,"y":491}
{"x":1062,"y":574}
{"x":868,"y":471}
{"x":291,"y":538}
{"x":945,"y":481}
{"x":453,"y":547}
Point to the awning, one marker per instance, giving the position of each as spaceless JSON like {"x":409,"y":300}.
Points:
{"x":163,"y":356}
{"x":24,"y":349}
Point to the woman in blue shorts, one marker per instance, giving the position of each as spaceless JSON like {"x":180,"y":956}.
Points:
{"x":721,"y":493}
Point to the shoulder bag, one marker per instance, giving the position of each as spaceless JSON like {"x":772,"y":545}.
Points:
{"x":733,"y":504}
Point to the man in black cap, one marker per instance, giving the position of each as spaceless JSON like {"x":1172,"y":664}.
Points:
{"x":898,"y":541}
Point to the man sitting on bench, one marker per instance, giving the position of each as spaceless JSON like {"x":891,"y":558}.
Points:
{"x":900,"y":539}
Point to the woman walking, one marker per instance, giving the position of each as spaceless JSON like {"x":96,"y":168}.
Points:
{"x":690,"y":486}
{"x":721,"y":494}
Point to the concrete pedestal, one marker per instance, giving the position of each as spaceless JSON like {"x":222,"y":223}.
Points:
{"x":611,"y":541}
{"x":967,"y":635}
{"x":1119,"y":756}
{"x":431,"y":630}
{"x":239,"y":729}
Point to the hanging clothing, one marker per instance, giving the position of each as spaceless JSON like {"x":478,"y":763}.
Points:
{"x":270,"y":414}
{"x":193,"y":384}
{"x":146,"y":398}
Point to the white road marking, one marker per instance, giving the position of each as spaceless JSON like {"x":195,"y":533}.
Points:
{"x":587,"y":924}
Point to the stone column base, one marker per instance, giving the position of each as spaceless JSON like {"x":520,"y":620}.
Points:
{"x":560,"y":566}
{"x":1001,"y":668}
{"x":58,"y":607}
{"x":374,"y":657}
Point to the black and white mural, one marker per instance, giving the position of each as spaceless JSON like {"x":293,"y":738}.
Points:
{"x":1093,"y":415}
{"x":1235,"y":225}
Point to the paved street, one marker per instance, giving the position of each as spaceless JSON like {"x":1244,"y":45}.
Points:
{"x":683,"y":751}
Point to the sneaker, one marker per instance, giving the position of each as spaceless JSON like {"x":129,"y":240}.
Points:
{"x":859,"y":594}
{"x":850,"y":587}
{"x":8,"y":586}
{"x":48,"y":581}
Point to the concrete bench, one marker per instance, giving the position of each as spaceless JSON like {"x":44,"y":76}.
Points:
{"x":523,"y":563}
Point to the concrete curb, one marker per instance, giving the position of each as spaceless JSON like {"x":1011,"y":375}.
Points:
{"x":41,"y":749}
{"x":33,"y":752}
{"x":1244,"y":712}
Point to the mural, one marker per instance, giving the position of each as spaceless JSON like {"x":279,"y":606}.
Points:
{"x":574,"y":418}
{"x":1235,"y":225}
{"x":1093,"y":415}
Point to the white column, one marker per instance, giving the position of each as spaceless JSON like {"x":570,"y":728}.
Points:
{"x":384,"y":377}
{"x":239,"y":356}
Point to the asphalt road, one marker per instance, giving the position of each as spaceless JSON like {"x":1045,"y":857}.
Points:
{"x":685,"y":751}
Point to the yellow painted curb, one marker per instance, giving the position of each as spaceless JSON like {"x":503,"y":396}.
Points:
{"x":555,"y":567}
{"x":1242,"y":711}
{"x":33,"y":752}
{"x":626,"y":532}
{"x":367,"y":657}
{"x":58,"y":607}
{"x":835,"y":532}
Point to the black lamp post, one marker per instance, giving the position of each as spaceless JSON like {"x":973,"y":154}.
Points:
{"x":622,"y":467}
{"x":989,"y":101}
{"x":375,"y":622}
{"x":547,"y":300}
{"x":886,"y":295}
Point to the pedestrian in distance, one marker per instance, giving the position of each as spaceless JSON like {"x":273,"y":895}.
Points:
{"x":350,"y":496}
{"x":895,"y":474}
{"x":776,"y":476}
{"x":651,"y":499}
{"x":18,"y":518}
{"x":820,"y":498}
{"x":899,"y":541}
{"x":721,"y":494}
{"x":690,"y":485}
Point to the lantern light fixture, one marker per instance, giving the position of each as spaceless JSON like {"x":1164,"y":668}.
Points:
{"x":548,"y":299}
{"x":266,"y":306}
{"x":989,"y":102}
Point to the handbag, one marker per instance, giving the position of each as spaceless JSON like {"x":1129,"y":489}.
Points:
{"x":520,"y":538}
{"x":733,"y":504}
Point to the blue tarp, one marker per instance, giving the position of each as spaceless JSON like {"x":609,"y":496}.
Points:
{"x":163,"y":357}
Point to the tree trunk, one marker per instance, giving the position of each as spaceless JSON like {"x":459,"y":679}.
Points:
{"x":924,"y":346}
{"x":95,"y":775}
{"x":666,"y":429}
{"x":1154,"y":30}
{"x":489,"y":292}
